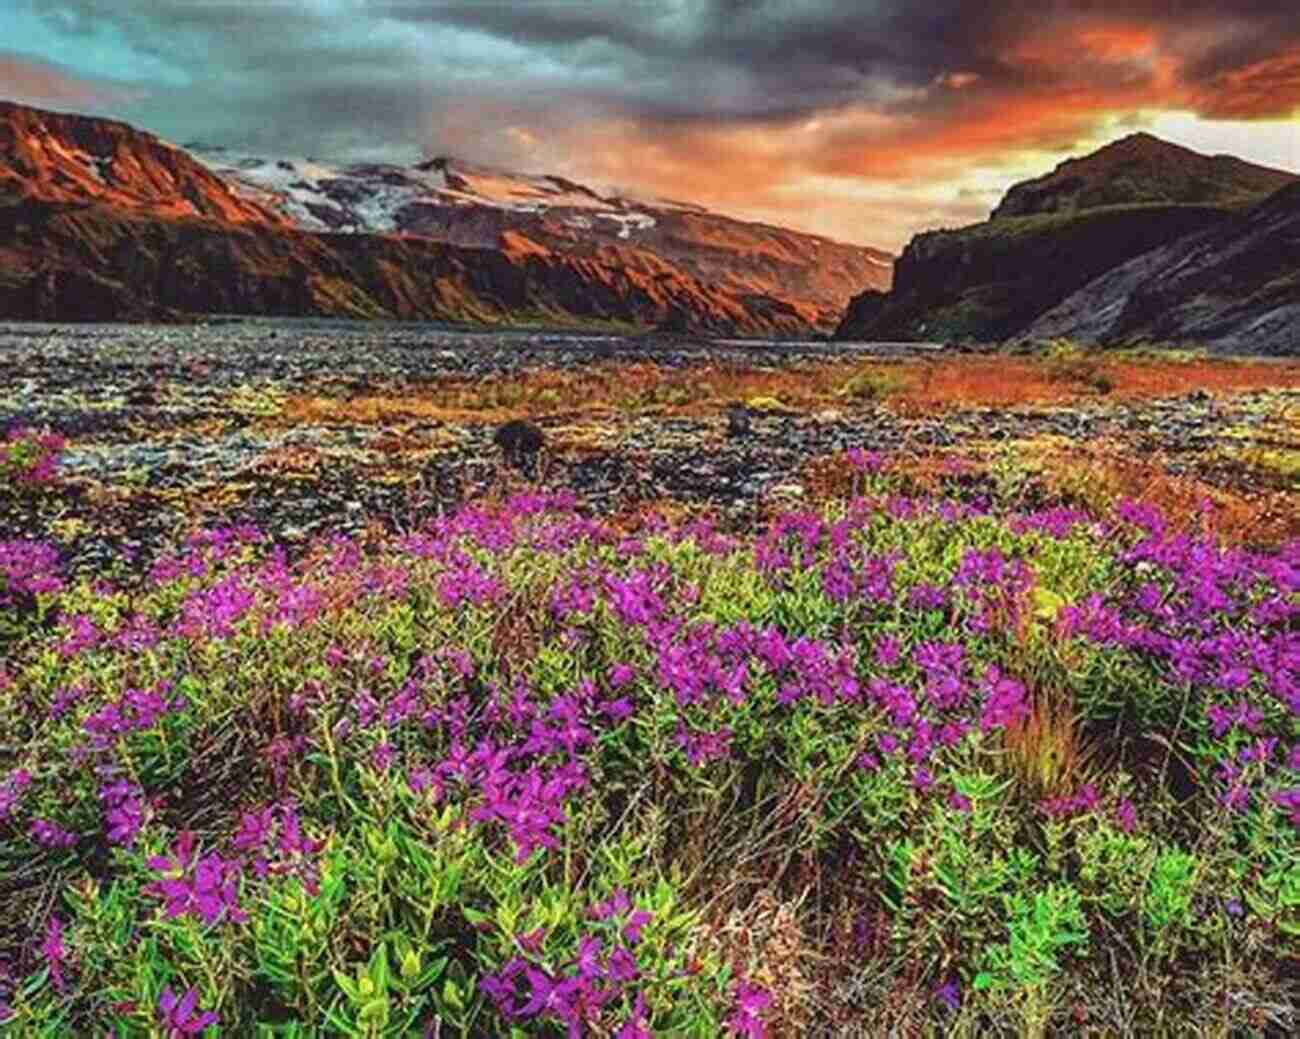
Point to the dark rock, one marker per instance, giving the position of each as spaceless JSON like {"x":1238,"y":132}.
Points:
{"x":520,"y":442}
{"x":738,"y":420}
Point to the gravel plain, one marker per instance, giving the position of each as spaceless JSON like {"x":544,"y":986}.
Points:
{"x":165,"y":428}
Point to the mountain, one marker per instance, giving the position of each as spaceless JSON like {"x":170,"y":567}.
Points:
{"x":1050,"y":237}
{"x":1235,"y":285}
{"x":101,"y":221}
{"x":58,"y":158}
{"x":1142,"y":169}
{"x":461,"y":203}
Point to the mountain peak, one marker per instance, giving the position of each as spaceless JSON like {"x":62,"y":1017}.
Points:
{"x":1138,"y":169}
{"x":61,"y":157}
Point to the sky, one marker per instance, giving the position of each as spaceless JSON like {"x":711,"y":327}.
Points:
{"x":863,"y":120}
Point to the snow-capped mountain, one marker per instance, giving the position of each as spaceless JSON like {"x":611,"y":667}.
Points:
{"x":465,"y":204}
{"x":102,"y":221}
{"x":385,"y":198}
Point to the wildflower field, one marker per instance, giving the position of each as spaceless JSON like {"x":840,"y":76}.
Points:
{"x":951,"y":760}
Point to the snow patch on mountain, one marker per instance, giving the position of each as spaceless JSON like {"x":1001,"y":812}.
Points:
{"x":371,"y":197}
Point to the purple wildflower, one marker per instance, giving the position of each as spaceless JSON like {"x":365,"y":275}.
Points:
{"x":888,"y":651}
{"x":124,"y":811}
{"x":51,"y":835}
{"x":751,"y":1001}
{"x":11,"y":790}
{"x":632,"y":930}
{"x":56,"y":955}
{"x":177,"y":1014}
{"x":205,"y":888}
{"x":950,"y":993}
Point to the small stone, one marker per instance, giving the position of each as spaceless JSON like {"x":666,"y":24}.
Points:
{"x":737,"y":420}
{"x":519,"y":442}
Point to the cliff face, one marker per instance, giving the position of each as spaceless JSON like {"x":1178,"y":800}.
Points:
{"x":1047,"y":241}
{"x":101,"y":221}
{"x":990,"y":281}
{"x":1235,"y":285}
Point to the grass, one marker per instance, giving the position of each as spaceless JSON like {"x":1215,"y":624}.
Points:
{"x":979,"y":744}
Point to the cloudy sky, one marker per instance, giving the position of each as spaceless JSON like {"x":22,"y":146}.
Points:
{"x":865,"y":120}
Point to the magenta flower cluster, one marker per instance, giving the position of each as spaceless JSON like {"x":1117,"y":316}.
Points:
{"x":179,"y":1015}
{"x":206,"y":888}
{"x":27,"y":568}
{"x":28,"y":457}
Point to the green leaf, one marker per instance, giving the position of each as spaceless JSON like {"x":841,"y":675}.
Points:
{"x":379,"y":967}
{"x":342,"y":1023}
{"x":34,"y":983}
{"x":1047,"y":604}
{"x":451,"y":995}
{"x":348,"y":986}
{"x":375,"y":1011}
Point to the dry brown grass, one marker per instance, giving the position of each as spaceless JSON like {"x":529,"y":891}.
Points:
{"x":916,"y":471}
{"x":914,"y":387}
{"x":1045,"y":751}
{"x":1011,"y":382}
{"x":1096,"y":477}
{"x":764,"y":943}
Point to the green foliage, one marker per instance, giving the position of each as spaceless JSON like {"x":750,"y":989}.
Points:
{"x":417,"y":894}
{"x":1067,"y":362}
{"x":1168,"y":899}
{"x":1112,"y":869}
{"x":1040,"y":927}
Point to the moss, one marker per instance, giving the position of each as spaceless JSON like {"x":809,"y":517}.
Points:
{"x":873,"y":384}
{"x":768,"y":404}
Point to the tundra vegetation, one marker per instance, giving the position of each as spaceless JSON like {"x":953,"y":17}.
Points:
{"x":965,"y":745}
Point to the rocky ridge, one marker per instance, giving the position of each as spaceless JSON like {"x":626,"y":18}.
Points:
{"x":1142,"y":169}
{"x":1139,"y":201}
{"x":1235,"y":285}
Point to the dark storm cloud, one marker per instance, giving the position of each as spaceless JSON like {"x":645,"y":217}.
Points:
{"x":662,"y":61}
{"x":761,"y":106}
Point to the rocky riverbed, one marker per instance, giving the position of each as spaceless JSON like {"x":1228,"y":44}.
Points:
{"x":169,"y":428}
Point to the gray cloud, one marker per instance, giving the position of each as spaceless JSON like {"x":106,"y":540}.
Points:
{"x":697,"y":98}
{"x":767,"y":62}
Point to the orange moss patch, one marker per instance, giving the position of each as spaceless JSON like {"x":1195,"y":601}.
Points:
{"x":1008,"y":381}
{"x":1096,"y":477}
{"x":911,"y":387}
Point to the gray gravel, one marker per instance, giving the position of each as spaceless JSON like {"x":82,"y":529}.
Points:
{"x":129,"y":396}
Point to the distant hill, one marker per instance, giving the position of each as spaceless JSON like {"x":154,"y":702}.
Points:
{"x":1142,"y":169}
{"x":101,"y":221}
{"x":1051,"y":236}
